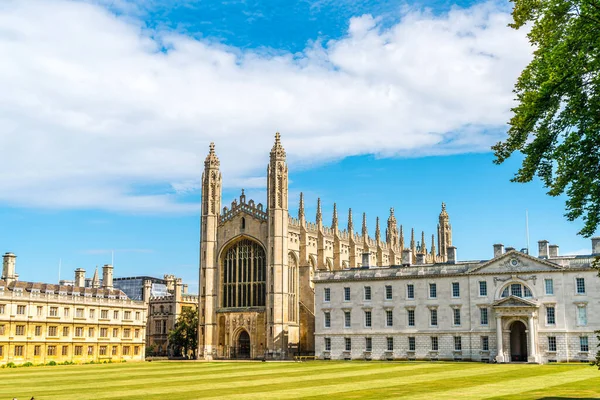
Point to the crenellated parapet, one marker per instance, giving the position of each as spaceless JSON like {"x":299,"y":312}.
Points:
{"x":255,"y":210}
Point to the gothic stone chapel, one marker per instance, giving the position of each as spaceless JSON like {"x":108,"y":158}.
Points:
{"x":257,"y":264}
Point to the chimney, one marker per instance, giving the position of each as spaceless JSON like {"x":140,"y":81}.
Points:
{"x":406,"y":257}
{"x":498,"y":250}
{"x":178,"y":289}
{"x":365,"y":259}
{"x":79,"y":277}
{"x":553,"y":250}
{"x":420,"y":259}
{"x":596,"y":246}
{"x":451,"y":252}
{"x":9,"y":268}
{"x":185,"y":288}
{"x":107,"y":276}
{"x":543,"y":249}
{"x":147,"y":290}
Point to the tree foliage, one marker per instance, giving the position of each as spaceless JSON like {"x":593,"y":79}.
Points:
{"x":556,"y":123}
{"x":183,"y":338}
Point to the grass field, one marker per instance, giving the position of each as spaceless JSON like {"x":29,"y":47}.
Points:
{"x":256,"y":380}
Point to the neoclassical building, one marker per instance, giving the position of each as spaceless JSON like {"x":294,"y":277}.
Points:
{"x":513,"y":307}
{"x":257,"y":264}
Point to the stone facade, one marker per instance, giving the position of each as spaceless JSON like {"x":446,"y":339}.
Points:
{"x":514,"y":307}
{"x":163,"y":312}
{"x":257,"y":263}
{"x":40,"y":322}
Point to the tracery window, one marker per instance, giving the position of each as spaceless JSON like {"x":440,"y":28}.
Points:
{"x":517,"y":290}
{"x":244,"y":275}
{"x":292,"y":282}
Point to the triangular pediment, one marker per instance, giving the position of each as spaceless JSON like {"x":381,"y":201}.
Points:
{"x":513,"y":301}
{"x":515,"y":262}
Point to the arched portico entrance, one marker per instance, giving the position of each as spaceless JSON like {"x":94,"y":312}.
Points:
{"x":242,"y":347}
{"x":518,"y":341}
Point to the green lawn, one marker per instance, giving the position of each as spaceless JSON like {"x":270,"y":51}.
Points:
{"x":273,"y":380}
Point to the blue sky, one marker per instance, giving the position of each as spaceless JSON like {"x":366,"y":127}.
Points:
{"x":108,"y":116}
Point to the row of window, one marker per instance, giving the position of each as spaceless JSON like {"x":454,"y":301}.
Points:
{"x":79,"y":312}
{"x":583,"y":344}
{"x":412,"y":343}
{"x":53,"y":331}
{"x":515,"y":289}
{"x":456,"y":317}
{"x":389,"y":318}
{"x":485,"y":343}
{"x":51,"y":350}
{"x":581,"y":315}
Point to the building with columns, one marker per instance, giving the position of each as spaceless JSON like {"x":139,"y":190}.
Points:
{"x":257,"y":263}
{"x":511,"y":308}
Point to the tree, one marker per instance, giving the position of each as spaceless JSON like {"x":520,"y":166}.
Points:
{"x":184,"y":335}
{"x":556,"y":122}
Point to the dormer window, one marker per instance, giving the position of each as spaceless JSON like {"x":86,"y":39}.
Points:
{"x":517,"y":290}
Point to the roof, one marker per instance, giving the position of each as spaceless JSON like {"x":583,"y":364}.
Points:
{"x":69,"y":290}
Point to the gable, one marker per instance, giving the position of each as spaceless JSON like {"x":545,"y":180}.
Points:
{"x":514,"y":262}
{"x":513,"y":301}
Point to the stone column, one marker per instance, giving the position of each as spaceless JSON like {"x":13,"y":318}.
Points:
{"x":500,"y":350}
{"x":532,"y":341}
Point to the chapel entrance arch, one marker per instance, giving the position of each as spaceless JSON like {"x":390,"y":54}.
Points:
{"x":243,"y":345}
{"x":518,"y":341}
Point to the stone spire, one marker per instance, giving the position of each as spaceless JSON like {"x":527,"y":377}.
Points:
{"x":401,"y":238}
{"x":334,"y":219}
{"x":96,"y":279}
{"x":211,"y":161}
{"x":350,"y":223}
{"x":319,"y":219}
{"x":377,"y":230}
{"x":301,"y":207}
{"x":277,"y":152}
{"x":412,"y":238}
{"x":391,"y":233}
{"x":433,"y":247}
{"x":365,"y":232}
{"x":444,"y":233}
{"x":423,"y":245}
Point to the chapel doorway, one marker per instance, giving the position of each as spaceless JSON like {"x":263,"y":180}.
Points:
{"x":243,"y":345}
{"x":518,"y":342}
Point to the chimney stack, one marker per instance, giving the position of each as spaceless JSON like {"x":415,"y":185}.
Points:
{"x":9,"y":268}
{"x":365,"y":259}
{"x":420,"y":259}
{"x":451,"y":254}
{"x":406,"y":257}
{"x":596,"y":246}
{"x":107,"y":276}
{"x":498,"y":250}
{"x":80,"y":277}
{"x":543,"y":249}
{"x":553,"y":250}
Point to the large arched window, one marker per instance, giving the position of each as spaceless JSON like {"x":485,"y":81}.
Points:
{"x":244,"y":275}
{"x":292,"y":282}
{"x":517,"y":290}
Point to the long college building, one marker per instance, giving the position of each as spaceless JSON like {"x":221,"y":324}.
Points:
{"x":514,"y":307}
{"x":41,"y":322}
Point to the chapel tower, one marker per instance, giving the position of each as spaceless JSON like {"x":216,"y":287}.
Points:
{"x":211,"y":205}
{"x":282,"y":278}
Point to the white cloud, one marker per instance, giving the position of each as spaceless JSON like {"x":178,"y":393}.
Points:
{"x":91,"y":108}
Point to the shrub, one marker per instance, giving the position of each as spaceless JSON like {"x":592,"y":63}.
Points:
{"x":11,"y":365}
{"x":52,"y":363}
{"x":27,"y":364}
